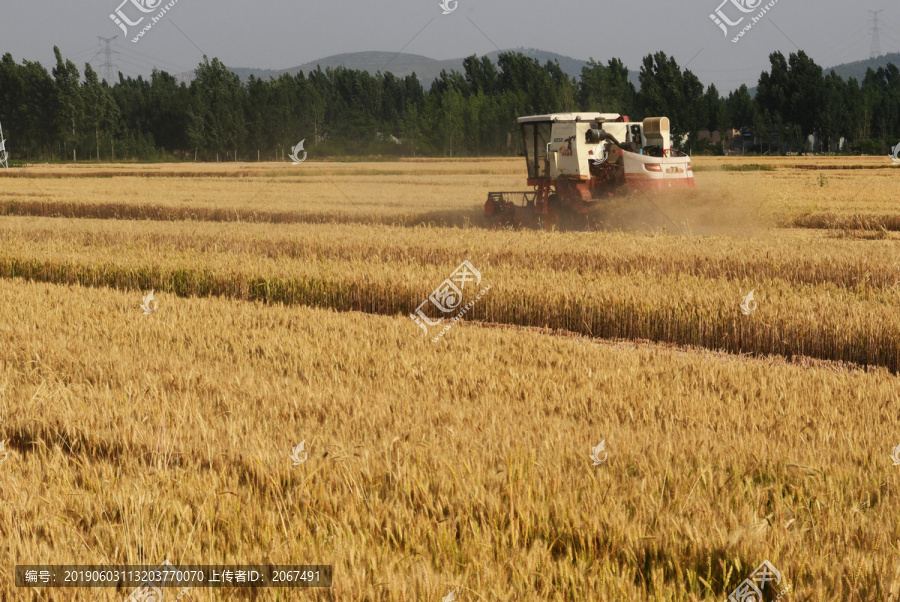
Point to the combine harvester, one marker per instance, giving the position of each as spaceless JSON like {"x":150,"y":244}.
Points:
{"x":576,"y":159}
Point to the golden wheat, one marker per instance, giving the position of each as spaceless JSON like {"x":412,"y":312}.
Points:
{"x":855,"y":323}
{"x":135,"y":438}
{"x":463,"y":465}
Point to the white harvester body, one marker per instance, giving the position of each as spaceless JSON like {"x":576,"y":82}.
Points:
{"x":577,"y":159}
{"x":567,"y":144}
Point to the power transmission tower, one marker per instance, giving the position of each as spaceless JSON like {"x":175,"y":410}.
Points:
{"x":876,"y":40}
{"x":4,"y":156}
{"x":108,"y":64}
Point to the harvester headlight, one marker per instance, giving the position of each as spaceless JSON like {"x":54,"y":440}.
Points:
{"x":653,"y":167}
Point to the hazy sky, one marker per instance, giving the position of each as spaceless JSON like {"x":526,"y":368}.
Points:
{"x":277,"y":34}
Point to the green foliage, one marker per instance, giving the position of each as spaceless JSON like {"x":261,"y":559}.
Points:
{"x":347,"y":113}
{"x":606,"y":89}
{"x":797,"y":101}
{"x":216,"y":114}
{"x":668,"y":91}
{"x":740,"y":109}
{"x":69,"y":102}
{"x":868,"y":147}
{"x":705,"y":146}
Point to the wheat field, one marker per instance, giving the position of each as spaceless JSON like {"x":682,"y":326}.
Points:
{"x":284,"y":294}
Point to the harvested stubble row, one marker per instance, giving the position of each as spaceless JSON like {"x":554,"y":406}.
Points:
{"x":795,"y":259}
{"x":856,"y":221}
{"x":276,"y":169}
{"x":131,"y":211}
{"x":824,"y":321}
{"x":742,"y":203}
{"x":841,"y":167}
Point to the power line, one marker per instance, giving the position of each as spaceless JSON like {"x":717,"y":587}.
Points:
{"x":188,"y":39}
{"x":80,"y":52}
{"x":155,"y":61}
{"x":841,"y":51}
{"x":96,"y":54}
{"x":876,"y":41}
{"x":140,"y":63}
{"x":751,"y":69}
{"x":147,"y":65}
{"x":108,"y":52}
{"x":892,"y":39}
{"x":136,"y":68}
{"x":838,"y":39}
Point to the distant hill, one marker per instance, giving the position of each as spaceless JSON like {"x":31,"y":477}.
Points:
{"x":428,"y":69}
{"x":401,"y":65}
{"x":858,"y":69}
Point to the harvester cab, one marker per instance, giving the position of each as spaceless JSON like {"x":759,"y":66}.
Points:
{"x":577,"y":159}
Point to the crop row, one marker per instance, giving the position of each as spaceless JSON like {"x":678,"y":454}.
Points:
{"x":855,"y":221}
{"x":818,"y":321}
{"x":865,"y":268}
{"x":166,"y":213}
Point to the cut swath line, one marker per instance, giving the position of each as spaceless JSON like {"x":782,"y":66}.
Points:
{"x":804,"y":361}
{"x":390,"y":294}
{"x":267,"y":184}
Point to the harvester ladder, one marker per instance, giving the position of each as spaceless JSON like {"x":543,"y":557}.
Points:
{"x":542,"y":197}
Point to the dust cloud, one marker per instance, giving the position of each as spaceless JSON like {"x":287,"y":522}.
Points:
{"x":705,"y":210}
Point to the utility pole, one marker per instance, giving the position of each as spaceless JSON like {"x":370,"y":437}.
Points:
{"x":876,"y":39}
{"x":108,"y":64}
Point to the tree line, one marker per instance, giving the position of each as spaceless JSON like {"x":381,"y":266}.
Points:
{"x":70,"y":115}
